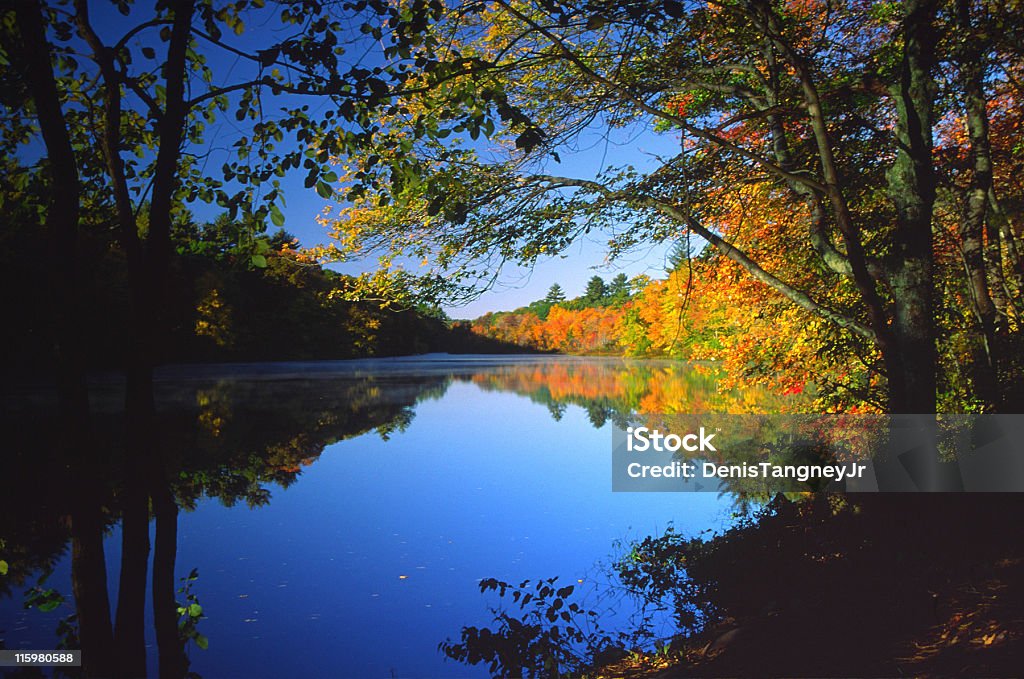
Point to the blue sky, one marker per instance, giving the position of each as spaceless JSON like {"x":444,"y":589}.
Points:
{"x":518,"y":286}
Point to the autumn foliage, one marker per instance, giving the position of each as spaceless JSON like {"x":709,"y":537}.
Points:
{"x":586,"y":331}
{"x":707,"y":309}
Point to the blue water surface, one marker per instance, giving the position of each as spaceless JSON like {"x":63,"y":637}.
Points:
{"x":374,"y":554}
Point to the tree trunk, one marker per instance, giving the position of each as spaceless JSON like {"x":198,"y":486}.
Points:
{"x":910,"y":358}
{"x":130,"y":625}
{"x":89,"y":584}
{"x":148,"y":264}
{"x":1001,"y":222}
{"x":972,"y":233}
{"x":173,"y":663}
{"x":78,"y":448}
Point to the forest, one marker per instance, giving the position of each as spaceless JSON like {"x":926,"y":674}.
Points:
{"x":221,"y":306}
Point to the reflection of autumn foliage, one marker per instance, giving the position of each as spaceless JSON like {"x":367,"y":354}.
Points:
{"x":561,"y":381}
{"x":233,"y":438}
{"x":697,"y":389}
{"x":630,"y":387}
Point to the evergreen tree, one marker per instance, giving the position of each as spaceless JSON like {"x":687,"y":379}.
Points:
{"x":618,"y":290}
{"x":555,"y":294}
{"x":596,"y":291}
{"x":678,"y":256}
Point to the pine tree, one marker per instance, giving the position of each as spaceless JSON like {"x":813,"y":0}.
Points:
{"x":596,"y":291}
{"x":678,"y":256}
{"x":618,"y":289}
{"x":555,"y":294}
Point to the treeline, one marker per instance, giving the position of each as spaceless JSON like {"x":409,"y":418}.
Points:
{"x":704,"y":309}
{"x":288,"y":307}
{"x":587,"y":324}
{"x":234,"y":294}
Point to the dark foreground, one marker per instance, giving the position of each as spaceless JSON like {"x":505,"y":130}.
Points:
{"x":872,"y":585}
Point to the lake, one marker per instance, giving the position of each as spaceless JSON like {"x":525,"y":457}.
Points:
{"x":341,"y":515}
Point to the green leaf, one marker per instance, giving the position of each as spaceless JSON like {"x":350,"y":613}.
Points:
{"x":259,"y":261}
{"x":324,"y":190}
{"x":44,"y":599}
{"x":275,"y":216}
{"x":3,"y":567}
{"x":202,"y":642}
{"x":195,"y":610}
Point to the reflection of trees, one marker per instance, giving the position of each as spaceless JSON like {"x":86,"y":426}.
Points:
{"x":233,"y":439}
{"x":617,"y":389}
{"x":235,"y":436}
{"x":229,"y":439}
{"x":53,"y":496}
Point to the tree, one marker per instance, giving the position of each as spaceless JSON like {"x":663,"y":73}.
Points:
{"x":618,"y":290}
{"x":818,"y":105}
{"x":678,"y":256}
{"x":595,"y":291}
{"x":555,"y":294}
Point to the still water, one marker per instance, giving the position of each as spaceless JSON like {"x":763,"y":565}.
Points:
{"x":340,"y":515}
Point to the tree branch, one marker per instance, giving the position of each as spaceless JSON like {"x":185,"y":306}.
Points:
{"x":702,"y":133}
{"x":764,"y":15}
{"x":111,"y":136}
{"x":799,"y":297}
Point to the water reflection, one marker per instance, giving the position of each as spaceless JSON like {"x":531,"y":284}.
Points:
{"x":241,"y":434}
